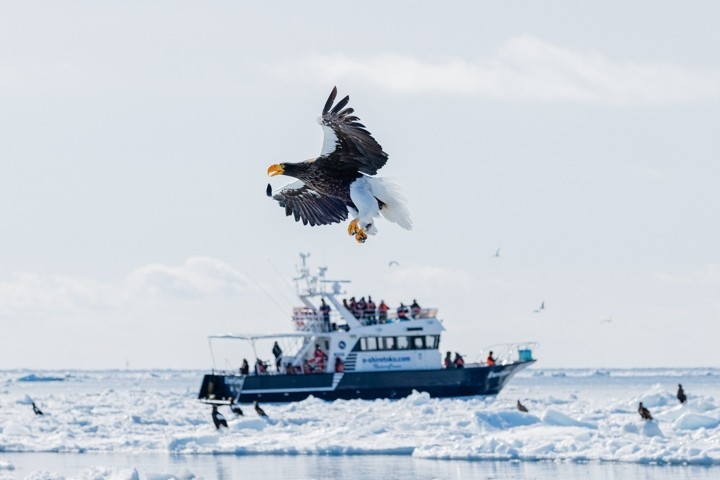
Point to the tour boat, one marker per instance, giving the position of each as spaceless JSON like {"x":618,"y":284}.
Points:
{"x":356,"y":355}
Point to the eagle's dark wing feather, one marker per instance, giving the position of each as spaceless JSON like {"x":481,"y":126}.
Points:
{"x":309,"y":206}
{"x":347,"y":144}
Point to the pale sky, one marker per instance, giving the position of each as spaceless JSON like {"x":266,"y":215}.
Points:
{"x":581,"y":139}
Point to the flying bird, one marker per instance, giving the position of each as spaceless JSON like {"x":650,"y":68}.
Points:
{"x":341,"y":179}
{"x":218,"y":418}
{"x":259,"y":410}
{"x":36,"y":409}
{"x":681,"y":394}
{"x":644,"y":412}
{"x":393,"y":262}
{"x":606,"y":320}
{"x":541,"y":308}
{"x":521,"y":407}
{"x":497,"y":254}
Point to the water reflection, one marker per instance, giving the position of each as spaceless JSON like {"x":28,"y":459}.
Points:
{"x":228,"y":467}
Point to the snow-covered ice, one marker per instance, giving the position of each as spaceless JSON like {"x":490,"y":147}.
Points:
{"x":574,"y":415}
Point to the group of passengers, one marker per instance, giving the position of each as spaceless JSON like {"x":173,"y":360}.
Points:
{"x":316,"y":364}
{"x":459,"y":362}
{"x":370,"y":314}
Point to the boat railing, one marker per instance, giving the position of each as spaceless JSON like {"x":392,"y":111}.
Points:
{"x":308,"y":320}
{"x":508,"y":353}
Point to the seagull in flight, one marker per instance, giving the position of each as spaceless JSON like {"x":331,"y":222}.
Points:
{"x":393,"y":262}
{"x":497,"y":254}
{"x":541,"y":308}
{"x":606,"y":320}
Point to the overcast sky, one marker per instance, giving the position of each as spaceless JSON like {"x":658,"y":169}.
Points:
{"x":581,"y":139}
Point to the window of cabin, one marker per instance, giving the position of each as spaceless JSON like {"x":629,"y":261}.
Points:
{"x":389,"y":343}
{"x":402,"y":343}
{"x":432,"y":341}
{"x":363,"y":344}
{"x":372,"y":343}
{"x":418,"y":343}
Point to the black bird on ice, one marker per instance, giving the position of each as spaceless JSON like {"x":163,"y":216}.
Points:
{"x":681,"y":394}
{"x":218,"y":418}
{"x":259,"y":410}
{"x":235,"y":408}
{"x":341,"y":179}
{"x":521,"y":407}
{"x":644,"y":412}
{"x":36,"y":409}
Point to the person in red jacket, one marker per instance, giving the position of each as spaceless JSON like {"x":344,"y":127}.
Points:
{"x":490,"y":360}
{"x":459,"y":362}
{"x":447,"y":361}
{"x":382,"y":311}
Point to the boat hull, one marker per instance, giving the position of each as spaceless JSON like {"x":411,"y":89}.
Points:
{"x":456,"y":382}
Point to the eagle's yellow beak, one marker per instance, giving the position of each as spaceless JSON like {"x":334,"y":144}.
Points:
{"x":275,"y":169}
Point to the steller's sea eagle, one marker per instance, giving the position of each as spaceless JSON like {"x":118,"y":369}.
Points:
{"x":341,"y":179}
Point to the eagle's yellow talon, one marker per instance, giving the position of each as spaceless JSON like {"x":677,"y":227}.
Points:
{"x":353,"y":227}
{"x":361,"y":236}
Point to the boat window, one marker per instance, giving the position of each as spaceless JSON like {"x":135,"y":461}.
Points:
{"x":432,"y":341}
{"x":389,"y":343}
{"x":418,"y":342}
{"x":372,"y":343}
{"x":402,"y":343}
{"x":363,"y":344}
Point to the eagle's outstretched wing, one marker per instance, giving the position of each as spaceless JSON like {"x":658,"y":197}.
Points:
{"x":347,"y":144}
{"x":309,"y":206}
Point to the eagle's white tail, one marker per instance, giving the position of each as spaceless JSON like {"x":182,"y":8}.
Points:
{"x":395,"y":209}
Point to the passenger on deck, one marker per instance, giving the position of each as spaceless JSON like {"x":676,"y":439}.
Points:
{"x":402,"y":312}
{"x":382,"y":311}
{"x":447,"y":362}
{"x":490,"y":360}
{"x":459,"y":362}
{"x":325,"y":311}
{"x":319,"y":357}
{"x":370,"y":311}
{"x":244,"y":368}
{"x":339,"y":365}
{"x":260,"y":367}
{"x":353,"y":307}
{"x":277,"y":353}
{"x":307,"y":368}
{"x":361,"y":306}
{"x":289,"y":369}
{"x":415,"y":309}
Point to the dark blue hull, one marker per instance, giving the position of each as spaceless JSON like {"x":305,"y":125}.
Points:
{"x":461,"y":382}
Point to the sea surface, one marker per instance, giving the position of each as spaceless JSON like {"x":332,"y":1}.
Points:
{"x":582,"y":423}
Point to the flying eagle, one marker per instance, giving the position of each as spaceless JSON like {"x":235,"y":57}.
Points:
{"x":341,"y":179}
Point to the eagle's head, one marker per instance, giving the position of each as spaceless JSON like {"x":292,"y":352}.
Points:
{"x":290,"y":169}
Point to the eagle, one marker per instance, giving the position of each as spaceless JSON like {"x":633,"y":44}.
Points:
{"x":341,"y":181}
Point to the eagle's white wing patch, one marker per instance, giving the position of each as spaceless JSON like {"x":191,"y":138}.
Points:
{"x":329,"y":139}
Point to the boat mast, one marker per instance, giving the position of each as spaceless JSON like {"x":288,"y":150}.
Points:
{"x":314,"y":286}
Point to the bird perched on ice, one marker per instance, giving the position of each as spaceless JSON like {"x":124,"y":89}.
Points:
{"x":644,"y":412}
{"x":341,"y":179}
{"x":681,"y":394}
{"x":235,"y":408}
{"x":521,"y":407}
{"x":218,"y":418}
{"x":36,"y":409}
{"x":259,"y":410}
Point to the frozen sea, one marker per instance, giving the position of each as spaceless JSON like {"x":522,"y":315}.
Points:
{"x":582,"y":423}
